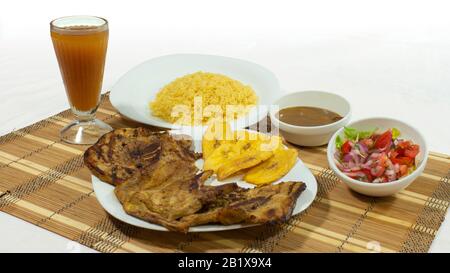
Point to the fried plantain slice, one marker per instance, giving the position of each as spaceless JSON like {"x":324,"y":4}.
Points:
{"x":273,"y":169}
{"x":217,"y":133}
{"x":219,"y":156}
{"x":250,"y":158}
{"x":266,"y":142}
{"x":245,"y":150}
{"x":228,"y":150}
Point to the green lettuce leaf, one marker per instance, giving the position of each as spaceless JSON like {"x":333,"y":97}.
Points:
{"x":366,"y":134}
{"x":339,"y":142}
{"x":355,"y":135}
{"x":350,"y":133}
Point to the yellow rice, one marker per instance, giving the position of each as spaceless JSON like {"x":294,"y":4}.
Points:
{"x":213,"y":89}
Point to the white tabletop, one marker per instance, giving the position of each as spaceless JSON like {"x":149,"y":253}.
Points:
{"x":389,"y":59}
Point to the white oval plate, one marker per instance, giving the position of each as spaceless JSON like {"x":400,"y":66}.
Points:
{"x":106,"y":197}
{"x":134,"y":90}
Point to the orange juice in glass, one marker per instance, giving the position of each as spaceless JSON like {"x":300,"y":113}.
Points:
{"x":80,"y":44}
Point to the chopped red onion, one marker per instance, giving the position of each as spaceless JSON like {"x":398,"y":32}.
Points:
{"x":363,"y":148}
{"x":347,"y":157}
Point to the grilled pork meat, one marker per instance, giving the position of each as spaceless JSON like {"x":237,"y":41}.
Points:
{"x":164,"y":203}
{"x":134,"y":152}
{"x":266,"y":204}
{"x":179,"y":206}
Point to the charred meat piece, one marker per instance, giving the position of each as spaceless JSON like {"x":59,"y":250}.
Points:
{"x":163,"y":204}
{"x":266,"y":204}
{"x":179,"y":206}
{"x":133,"y":152}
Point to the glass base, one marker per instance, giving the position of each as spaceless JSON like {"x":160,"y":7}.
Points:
{"x":84,"y":132}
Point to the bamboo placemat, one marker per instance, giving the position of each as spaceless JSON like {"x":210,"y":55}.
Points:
{"x":43,"y":181}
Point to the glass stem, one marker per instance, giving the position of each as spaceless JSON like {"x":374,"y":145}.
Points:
{"x":84,"y":116}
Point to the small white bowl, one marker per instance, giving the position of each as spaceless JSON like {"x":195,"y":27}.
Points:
{"x":311,"y":135}
{"x":381,"y":189}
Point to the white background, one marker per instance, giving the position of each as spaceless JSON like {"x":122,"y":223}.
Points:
{"x":389,"y":58}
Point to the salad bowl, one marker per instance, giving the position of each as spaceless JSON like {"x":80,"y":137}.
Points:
{"x":378,"y":187}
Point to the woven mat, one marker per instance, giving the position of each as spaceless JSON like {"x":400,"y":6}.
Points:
{"x":43,"y":181}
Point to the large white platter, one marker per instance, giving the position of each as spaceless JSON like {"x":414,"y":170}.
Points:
{"x":134,"y":90}
{"x":105,"y":195}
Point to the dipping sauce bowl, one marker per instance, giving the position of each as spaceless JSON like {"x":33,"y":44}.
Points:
{"x":311,"y":135}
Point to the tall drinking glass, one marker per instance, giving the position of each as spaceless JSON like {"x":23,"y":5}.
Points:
{"x":80,"y":44}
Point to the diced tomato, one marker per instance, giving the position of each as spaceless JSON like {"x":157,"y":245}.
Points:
{"x":378,"y":171}
{"x":393,"y":154}
{"x":400,"y":152}
{"x":403,"y":170}
{"x":412,"y":150}
{"x":383,"y":159}
{"x":403,"y":160}
{"x":404,"y":144}
{"x":346,"y":147}
{"x":368,"y":174}
{"x":384,"y":140}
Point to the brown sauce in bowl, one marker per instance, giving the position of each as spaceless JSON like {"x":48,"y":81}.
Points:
{"x":307,"y":116}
